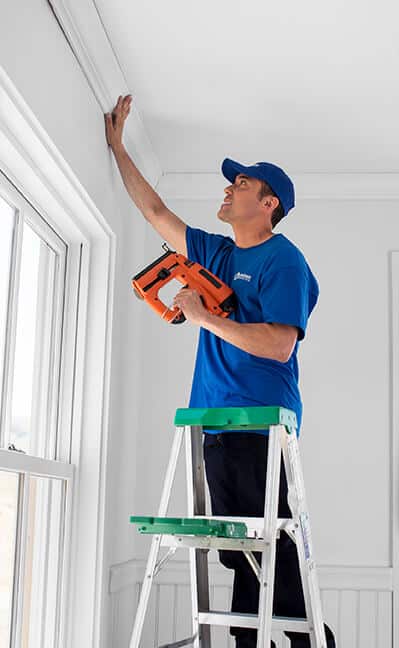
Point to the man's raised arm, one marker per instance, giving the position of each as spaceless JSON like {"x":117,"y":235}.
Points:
{"x":154,"y":210}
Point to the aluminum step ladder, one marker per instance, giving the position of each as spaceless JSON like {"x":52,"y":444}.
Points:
{"x":199,"y":533}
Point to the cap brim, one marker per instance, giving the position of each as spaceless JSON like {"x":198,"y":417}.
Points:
{"x":231,"y":169}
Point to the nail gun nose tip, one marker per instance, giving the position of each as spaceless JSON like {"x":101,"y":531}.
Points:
{"x":136,"y":292}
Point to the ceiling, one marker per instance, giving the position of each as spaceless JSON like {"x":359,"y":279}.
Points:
{"x":312,"y":86}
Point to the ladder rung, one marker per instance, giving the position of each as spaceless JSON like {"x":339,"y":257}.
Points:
{"x":255,"y":525}
{"x":279,"y":624}
{"x":190,"y":526}
{"x":179,"y":644}
{"x":288,"y":623}
{"x":205,"y":542}
{"x":228,"y":619}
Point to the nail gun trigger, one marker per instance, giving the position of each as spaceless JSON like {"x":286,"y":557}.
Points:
{"x":201,"y":297}
{"x":179,"y":319}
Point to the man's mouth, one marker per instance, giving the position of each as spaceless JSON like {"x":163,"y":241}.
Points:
{"x":226,"y":203}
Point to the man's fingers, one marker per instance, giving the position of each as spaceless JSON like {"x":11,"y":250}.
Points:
{"x":122,"y":104}
{"x":126,"y":105}
{"x":108,"y":126}
{"x":114,"y":120}
{"x":117,"y":108}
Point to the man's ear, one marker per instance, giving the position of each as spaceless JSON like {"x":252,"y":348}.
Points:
{"x":272,"y":201}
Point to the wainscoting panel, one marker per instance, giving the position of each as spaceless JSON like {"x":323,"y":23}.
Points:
{"x":357,"y":604}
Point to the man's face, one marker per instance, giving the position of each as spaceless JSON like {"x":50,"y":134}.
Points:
{"x":241,"y":202}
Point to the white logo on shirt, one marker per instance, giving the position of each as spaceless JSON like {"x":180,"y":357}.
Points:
{"x":243,"y":276}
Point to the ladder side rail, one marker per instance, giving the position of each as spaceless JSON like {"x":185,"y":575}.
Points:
{"x":266,"y":589}
{"x":156,"y":541}
{"x":197,"y":454}
{"x":198,"y":557}
{"x":303,"y":541}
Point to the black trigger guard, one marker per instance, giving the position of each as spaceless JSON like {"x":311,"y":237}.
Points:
{"x":179,"y":319}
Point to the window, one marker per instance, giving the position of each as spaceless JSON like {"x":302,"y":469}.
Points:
{"x":76,"y":406}
{"x":35,"y":474}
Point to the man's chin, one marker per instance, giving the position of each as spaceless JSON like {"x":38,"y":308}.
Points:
{"x":222,"y":216}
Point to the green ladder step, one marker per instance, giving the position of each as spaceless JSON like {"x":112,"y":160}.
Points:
{"x":190,"y":526}
{"x":236,"y":418}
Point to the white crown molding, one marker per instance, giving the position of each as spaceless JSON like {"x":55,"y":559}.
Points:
{"x":85,"y":34}
{"x":176,"y":572}
{"x":308,"y":186}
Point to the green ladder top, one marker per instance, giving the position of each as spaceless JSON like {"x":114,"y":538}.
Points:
{"x":190,"y":526}
{"x":236,"y":418}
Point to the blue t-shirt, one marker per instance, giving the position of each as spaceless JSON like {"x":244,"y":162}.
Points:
{"x":273,"y":283}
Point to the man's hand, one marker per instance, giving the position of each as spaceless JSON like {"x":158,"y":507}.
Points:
{"x":115,"y":121}
{"x":190,"y":303}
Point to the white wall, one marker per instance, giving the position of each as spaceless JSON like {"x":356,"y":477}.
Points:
{"x":346,"y":431}
{"x":344,"y":374}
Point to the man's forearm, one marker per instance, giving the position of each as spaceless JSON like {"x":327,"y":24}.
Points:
{"x":258,"y":339}
{"x":143,"y":195}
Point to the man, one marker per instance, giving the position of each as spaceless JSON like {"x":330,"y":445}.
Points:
{"x":248,"y":359}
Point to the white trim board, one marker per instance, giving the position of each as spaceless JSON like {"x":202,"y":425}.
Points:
{"x":308,"y":186}
{"x":394,"y":399}
{"x":89,"y":42}
{"x":177,"y":572}
{"x":359,"y":618}
{"x":32,"y":163}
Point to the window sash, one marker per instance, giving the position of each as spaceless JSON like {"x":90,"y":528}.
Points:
{"x":27,"y":466}
{"x":49,"y":338}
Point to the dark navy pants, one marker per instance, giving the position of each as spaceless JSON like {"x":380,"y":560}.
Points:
{"x":235,"y":464}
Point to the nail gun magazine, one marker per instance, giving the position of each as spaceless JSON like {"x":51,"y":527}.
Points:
{"x":216,"y":296}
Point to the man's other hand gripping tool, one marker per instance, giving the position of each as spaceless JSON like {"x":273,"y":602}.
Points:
{"x":216,"y":296}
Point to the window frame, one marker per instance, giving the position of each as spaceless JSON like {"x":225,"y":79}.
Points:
{"x":33,"y":164}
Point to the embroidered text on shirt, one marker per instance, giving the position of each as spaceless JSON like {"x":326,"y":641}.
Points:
{"x":242,"y":275}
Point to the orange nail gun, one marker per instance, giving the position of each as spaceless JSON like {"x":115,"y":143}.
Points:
{"x":216,"y":296}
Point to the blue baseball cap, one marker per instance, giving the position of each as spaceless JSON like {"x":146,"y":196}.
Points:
{"x":275,"y":177}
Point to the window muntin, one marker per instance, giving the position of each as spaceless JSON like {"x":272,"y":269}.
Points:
{"x":7,"y":226}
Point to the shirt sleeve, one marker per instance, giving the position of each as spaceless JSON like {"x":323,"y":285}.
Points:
{"x":286,"y":298}
{"x":203,"y":246}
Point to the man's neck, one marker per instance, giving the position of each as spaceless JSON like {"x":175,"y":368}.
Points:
{"x":247,"y":239}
